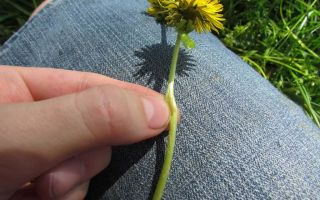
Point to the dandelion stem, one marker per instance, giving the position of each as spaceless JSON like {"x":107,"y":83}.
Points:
{"x":172,"y":124}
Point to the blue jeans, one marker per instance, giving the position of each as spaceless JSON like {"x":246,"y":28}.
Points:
{"x":239,"y":137}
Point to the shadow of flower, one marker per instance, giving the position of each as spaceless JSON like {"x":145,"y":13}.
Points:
{"x":156,"y":60}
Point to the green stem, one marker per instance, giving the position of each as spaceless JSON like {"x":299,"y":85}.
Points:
{"x":307,"y":100}
{"x":290,"y":31}
{"x":172,"y":124}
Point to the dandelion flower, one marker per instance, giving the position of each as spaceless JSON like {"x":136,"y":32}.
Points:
{"x":185,"y":16}
{"x":204,"y":15}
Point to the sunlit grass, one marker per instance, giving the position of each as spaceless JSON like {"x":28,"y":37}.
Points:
{"x":281,"y":40}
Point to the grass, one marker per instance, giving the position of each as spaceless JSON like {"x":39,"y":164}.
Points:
{"x":279,"y":38}
{"x":13,"y":14}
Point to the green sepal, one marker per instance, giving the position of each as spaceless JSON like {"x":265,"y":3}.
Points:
{"x":187,"y":41}
{"x":185,"y":26}
{"x":189,"y":27}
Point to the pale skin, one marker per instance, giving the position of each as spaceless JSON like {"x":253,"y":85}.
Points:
{"x":57,"y":128}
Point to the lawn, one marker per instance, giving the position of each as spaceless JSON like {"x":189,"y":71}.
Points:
{"x":278,"y":38}
{"x":13,"y":14}
{"x":281,"y":40}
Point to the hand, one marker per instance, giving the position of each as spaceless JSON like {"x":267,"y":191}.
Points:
{"x":57,"y":128}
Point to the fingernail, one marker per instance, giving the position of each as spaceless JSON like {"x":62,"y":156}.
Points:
{"x":157,"y":112}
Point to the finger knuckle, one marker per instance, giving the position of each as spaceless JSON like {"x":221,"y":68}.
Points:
{"x":104,"y":111}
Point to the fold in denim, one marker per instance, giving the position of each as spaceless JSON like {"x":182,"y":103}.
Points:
{"x":239,"y":137}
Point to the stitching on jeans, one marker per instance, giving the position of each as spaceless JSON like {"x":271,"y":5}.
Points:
{"x":16,"y":35}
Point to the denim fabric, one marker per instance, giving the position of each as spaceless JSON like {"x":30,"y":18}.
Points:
{"x":239,"y":138}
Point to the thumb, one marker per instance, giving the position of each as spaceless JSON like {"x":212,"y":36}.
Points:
{"x":36,"y":136}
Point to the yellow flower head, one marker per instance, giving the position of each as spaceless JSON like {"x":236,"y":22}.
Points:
{"x":204,"y":15}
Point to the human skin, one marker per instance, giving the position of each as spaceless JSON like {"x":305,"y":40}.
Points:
{"x":57,"y":128}
{"x":42,"y":5}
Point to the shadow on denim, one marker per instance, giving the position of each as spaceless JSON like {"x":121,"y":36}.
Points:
{"x":154,"y":67}
{"x":156,"y":60}
{"x":123,"y":158}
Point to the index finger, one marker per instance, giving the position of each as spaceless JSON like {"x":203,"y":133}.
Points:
{"x":44,"y":83}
